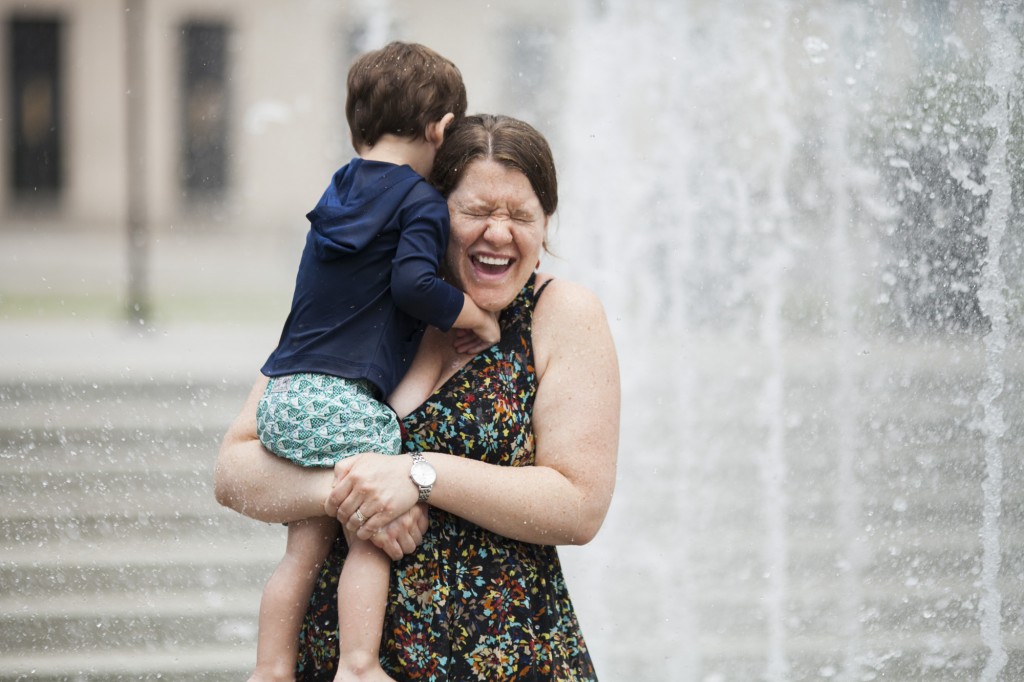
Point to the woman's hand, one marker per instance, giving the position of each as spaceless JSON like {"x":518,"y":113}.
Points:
{"x":370,"y":491}
{"x":403,"y":535}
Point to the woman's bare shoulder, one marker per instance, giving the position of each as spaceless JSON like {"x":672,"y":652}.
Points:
{"x":564,"y":297}
{"x":569,"y":318}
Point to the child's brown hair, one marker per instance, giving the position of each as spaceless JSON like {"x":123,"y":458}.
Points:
{"x":399,"y":90}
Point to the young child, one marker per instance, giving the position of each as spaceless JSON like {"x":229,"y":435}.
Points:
{"x":367,"y":285}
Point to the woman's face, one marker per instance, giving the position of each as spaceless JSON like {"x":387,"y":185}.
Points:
{"x":498,"y":230}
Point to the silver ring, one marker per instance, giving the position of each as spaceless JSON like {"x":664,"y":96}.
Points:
{"x":359,"y":517}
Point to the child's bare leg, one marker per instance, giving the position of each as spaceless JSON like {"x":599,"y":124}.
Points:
{"x":362,"y":599}
{"x":286,"y":598}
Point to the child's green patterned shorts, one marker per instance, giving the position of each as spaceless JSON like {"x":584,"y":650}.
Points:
{"x":317,"y":420}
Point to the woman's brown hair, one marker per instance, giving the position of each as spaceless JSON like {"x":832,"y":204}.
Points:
{"x":508,"y":141}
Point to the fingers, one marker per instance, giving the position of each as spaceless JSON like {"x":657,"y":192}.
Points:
{"x":342,"y":467}
{"x":341,"y":491}
{"x":374,"y":524}
{"x":366,"y":523}
{"x":408,"y":544}
{"x":359,"y":517}
{"x":365,"y":515}
{"x":364,"y":520}
{"x":468,"y":343}
{"x":403,"y":535}
{"x":375,"y":486}
{"x":347,"y":500}
{"x":389,"y":546}
{"x":417,"y":521}
{"x":346,"y":510}
{"x":422,"y":519}
{"x":393,"y":542}
{"x":463,"y":339}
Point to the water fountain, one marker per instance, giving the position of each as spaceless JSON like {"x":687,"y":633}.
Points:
{"x":1005,"y":63}
{"x":811,"y":465}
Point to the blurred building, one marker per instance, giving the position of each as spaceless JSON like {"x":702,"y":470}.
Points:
{"x":219,"y":114}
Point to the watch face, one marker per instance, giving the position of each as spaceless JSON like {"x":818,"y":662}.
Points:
{"x":423,"y":473}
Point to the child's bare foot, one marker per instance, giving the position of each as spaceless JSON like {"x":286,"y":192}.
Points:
{"x":358,"y":668}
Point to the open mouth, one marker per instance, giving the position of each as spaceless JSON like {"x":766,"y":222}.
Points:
{"x":492,"y":265}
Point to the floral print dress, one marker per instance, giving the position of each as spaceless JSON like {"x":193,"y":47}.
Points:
{"x":468,"y":604}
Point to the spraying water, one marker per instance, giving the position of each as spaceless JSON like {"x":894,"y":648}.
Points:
{"x":992,"y":297}
{"x":746,"y":192}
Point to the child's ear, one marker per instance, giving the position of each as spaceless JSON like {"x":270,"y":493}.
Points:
{"x":437,"y":129}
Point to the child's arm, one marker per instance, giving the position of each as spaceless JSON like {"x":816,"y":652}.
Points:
{"x":481,"y":327}
{"x":418,"y":289}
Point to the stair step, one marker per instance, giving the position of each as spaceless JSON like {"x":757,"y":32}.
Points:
{"x":151,"y":563}
{"x":227,"y":662}
{"x":34,"y":581}
{"x":107,"y":448}
{"x":131,"y":620}
{"x":126,"y":406}
{"x":201,"y":524}
{"x":118,"y":494}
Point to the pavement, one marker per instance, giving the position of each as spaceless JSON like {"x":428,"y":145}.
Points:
{"x":216,"y":305}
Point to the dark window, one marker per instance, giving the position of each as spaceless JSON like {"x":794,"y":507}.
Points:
{"x":34,"y":119}
{"x":205,"y":109}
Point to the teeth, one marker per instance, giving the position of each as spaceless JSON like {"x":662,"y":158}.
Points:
{"x":490,"y":260}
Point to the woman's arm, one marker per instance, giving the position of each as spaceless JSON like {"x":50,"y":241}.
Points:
{"x":260,"y":485}
{"x":561,"y":500}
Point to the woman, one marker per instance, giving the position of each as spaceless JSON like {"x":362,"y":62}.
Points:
{"x":518,"y":444}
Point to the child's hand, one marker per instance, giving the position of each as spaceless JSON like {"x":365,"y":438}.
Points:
{"x":487,"y":329}
{"x":476,"y":329}
{"x":466,"y":342}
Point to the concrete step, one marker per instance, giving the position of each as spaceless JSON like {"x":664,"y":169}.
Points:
{"x":201,"y":663}
{"x":71,"y":493}
{"x":109,"y":447}
{"x":95,"y":528}
{"x":59,"y":579}
{"x":180,"y":563}
{"x":152,"y":404}
{"x":129,"y":620}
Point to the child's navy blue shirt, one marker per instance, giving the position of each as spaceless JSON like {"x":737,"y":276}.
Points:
{"x":368,"y":280}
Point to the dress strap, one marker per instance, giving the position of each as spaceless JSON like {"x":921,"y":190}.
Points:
{"x":540,"y":289}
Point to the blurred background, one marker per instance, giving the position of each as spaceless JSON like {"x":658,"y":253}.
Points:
{"x":804,"y":218}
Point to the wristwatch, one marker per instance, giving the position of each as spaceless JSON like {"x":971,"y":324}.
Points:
{"x":423,"y":475}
